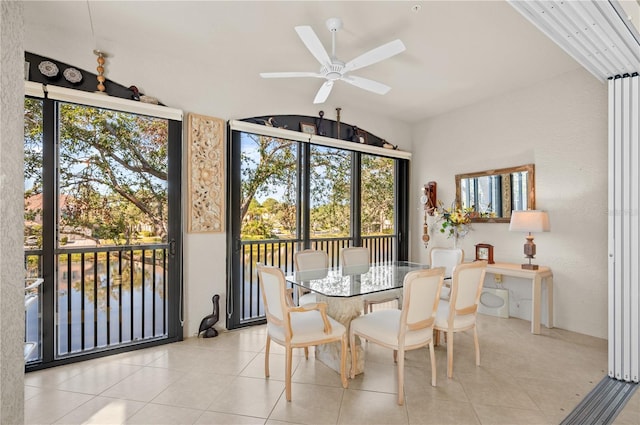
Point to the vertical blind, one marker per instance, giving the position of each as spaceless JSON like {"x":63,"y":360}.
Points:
{"x":624,"y":228}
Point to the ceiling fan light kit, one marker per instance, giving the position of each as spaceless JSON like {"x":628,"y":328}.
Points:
{"x":332,"y":69}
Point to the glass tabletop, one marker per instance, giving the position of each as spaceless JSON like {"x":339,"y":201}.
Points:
{"x":357,"y":280}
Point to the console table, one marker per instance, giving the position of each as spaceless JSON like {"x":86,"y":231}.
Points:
{"x":536,"y":277}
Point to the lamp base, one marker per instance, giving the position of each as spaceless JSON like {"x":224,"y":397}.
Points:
{"x":530,"y":266}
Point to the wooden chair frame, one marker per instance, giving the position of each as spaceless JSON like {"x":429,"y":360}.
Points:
{"x":405,"y":326}
{"x":284,"y":322}
{"x":454,"y":311}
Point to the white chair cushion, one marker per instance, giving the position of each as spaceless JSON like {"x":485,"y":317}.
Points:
{"x":311,"y":260}
{"x":447,"y":258}
{"x":307,"y":327}
{"x":383,"y":326}
{"x":459,"y":322}
{"x":308,"y":298}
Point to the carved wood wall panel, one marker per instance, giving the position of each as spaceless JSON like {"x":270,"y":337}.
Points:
{"x":206,"y":174}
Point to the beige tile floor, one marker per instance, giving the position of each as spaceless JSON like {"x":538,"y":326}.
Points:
{"x":522,"y":379}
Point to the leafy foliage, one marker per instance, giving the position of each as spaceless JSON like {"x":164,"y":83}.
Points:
{"x":269,"y":170}
{"x":267,"y":163}
{"x":377,"y":194}
{"x":330,"y":191}
{"x":112,"y":170}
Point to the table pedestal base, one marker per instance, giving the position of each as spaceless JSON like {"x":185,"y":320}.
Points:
{"x":343,"y":310}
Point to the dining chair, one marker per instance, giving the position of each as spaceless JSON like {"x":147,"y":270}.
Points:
{"x":315,"y":263}
{"x":310,"y":264}
{"x":296,"y":326}
{"x":355,"y":260}
{"x":447,"y":258}
{"x":459,"y":313}
{"x":406,"y":329}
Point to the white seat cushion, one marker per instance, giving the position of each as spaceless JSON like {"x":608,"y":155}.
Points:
{"x":460,"y":322}
{"x":307,"y":327}
{"x":383,"y":326}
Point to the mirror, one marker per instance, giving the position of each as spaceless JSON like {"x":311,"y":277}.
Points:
{"x":493,"y":194}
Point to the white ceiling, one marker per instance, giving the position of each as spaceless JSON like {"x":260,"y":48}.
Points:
{"x":458,"y":52}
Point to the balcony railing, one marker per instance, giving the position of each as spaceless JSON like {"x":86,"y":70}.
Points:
{"x":280,"y":252}
{"x":104,"y":297}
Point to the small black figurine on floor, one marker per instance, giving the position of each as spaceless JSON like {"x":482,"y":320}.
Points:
{"x":206,"y":325}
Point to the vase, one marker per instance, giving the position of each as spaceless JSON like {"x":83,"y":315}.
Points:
{"x":457,"y":233}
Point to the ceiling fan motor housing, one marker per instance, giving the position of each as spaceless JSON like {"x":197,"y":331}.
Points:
{"x":334,"y":71}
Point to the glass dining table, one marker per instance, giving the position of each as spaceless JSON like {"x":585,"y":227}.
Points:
{"x":343,"y":288}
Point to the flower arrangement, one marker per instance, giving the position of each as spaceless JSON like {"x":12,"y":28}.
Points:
{"x":456,"y":222}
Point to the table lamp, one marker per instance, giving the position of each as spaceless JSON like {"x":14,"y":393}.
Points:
{"x":529,"y":221}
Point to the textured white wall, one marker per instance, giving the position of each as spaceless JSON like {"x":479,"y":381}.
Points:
{"x":560,"y":126}
{"x":11,"y":216}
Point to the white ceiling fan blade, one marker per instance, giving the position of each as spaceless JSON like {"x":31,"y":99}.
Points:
{"x":311,"y":40}
{"x":289,"y":74}
{"x":365,"y":83}
{"x":375,"y":55}
{"x":324,"y":91}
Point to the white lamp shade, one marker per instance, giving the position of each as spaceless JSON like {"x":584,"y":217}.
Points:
{"x":533,"y":221}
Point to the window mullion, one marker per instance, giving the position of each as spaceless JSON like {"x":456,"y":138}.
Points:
{"x":356,"y":198}
{"x":304,"y":194}
{"x":49,"y":226}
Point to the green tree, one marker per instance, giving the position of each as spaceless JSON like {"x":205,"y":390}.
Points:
{"x":112,"y":170}
{"x":377,"y":194}
{"x":287,"y":211}
{"x":330,"y":190}
{"x":258,"y":222}
{"x":32,"y":167}
{"x":33,"y":145}
{"x":269,"y":167}
{"x":267,"y":164}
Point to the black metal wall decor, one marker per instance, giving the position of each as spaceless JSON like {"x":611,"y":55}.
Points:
{"x":50,"y":71}
{"x":324,"y":126}
{"x":320,"y":124}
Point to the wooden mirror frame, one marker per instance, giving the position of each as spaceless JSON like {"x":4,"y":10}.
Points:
{"x":506,"y":191}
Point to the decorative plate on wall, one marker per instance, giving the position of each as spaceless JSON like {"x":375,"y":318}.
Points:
{"x":72,"y":75}
{"x":48,"y":69}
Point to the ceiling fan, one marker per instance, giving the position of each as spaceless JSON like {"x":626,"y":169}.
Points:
{"x":332,"y":69}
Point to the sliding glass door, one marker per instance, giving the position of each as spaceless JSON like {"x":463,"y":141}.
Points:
{"x":102,"y":203}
